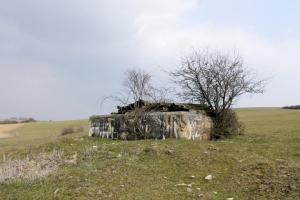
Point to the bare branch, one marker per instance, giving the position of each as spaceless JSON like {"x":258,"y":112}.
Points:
{"x":138,"y":84}
{"x":215,"y":79}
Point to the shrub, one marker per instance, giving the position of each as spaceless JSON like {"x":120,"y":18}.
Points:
{"x":71,"y":129}
{"x":67,"y":130}
{"x":226,"y":124}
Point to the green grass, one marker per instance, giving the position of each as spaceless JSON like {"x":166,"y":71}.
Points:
{"x":262,"y":164}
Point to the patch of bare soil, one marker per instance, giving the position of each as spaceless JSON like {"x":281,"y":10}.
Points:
{"x":7,"y":129}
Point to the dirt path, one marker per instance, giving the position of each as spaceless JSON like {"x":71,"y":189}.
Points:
{"x":6,"y":130}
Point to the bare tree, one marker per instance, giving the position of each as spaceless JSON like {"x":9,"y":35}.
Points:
{"x":140,"y":88}
{"x":161,"y":94}
{"x":215,"y":80}
{"x":138,"y":84}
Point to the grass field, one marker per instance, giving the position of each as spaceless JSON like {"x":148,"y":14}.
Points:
{"x":262,"y":164}
{"x":25,"y":135}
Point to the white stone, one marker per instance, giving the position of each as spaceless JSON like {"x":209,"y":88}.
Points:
{"x":181,"y":184}
{"x":189,"y":189}
{"x":208,"y":177}
{"x":56,"y":191}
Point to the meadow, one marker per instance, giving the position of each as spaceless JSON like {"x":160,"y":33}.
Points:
{"x":264,"y":163}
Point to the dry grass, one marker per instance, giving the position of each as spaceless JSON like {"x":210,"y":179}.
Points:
{"x":7,"y":129}
{"x":31,"y":167}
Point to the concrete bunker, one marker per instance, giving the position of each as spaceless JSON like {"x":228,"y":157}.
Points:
{"x":142,"y":120}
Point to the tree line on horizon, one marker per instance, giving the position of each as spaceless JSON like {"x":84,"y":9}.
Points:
{"x":16,"y":120}
{"x":292,"y":107}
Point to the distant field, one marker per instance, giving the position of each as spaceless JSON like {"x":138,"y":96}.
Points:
{"x":30,"y":134}
{"x":262,"y":164}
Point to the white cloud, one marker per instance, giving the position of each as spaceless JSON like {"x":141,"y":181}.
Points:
{"x":272,"y":59}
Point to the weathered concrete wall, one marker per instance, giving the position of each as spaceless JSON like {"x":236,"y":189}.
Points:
{"x":182,"y":124}
{"x":188,"y":125}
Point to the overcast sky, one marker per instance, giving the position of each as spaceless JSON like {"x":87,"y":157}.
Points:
{"x":58,"y":57}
